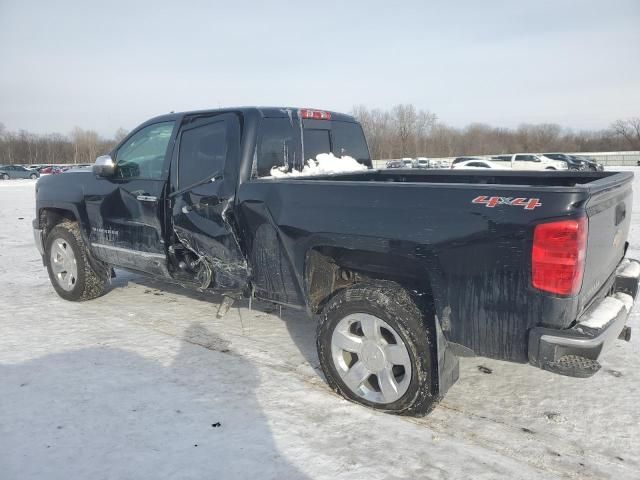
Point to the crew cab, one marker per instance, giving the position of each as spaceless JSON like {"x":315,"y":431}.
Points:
{"x":405,"y":270}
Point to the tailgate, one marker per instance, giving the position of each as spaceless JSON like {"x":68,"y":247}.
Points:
{"x":609,"y":212}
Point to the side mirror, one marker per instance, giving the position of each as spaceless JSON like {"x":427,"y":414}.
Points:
{"x":104,"y":166}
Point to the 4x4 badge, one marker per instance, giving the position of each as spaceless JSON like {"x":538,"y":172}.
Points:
{"x":491,"y":202}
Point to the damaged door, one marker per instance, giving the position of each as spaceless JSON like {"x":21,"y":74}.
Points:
{"x":204,"y":179}
{"x":126,"y":211}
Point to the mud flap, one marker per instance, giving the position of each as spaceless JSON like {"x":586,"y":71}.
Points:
{"x":448,"y":363}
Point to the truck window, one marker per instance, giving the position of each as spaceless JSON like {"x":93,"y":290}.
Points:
{"x":203,"y":152}
{"x":348,"y":139}
{"x":276,"y":148}
{"x":142,"y":156}
{"x":315,"y":142}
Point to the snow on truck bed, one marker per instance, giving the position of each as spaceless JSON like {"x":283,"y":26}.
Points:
{"x":324,"y":164}
{"x":147,"y":382}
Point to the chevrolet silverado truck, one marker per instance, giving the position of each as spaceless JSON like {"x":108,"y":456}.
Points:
{"x":406,"y":270}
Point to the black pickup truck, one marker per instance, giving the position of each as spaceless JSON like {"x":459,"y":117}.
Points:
{"x":406,"y":269}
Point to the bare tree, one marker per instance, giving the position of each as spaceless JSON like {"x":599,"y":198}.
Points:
{"x":629,"y":130}
{"x":120,"y":134}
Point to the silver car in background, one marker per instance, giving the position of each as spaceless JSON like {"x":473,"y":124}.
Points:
{"x":8,"y":172}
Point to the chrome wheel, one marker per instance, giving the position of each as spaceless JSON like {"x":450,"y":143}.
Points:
{"x":371,"y":358}
{"x":63,"y":264}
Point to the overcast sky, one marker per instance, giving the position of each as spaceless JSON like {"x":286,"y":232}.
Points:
{"x":109,"y":64}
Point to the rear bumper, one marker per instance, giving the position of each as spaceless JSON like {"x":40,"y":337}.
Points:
{"x":575,"y":351}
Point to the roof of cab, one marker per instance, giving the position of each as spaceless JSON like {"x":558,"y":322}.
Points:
{"x":271,"y":112}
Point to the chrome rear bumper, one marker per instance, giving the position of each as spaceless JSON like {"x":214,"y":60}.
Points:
{"x":575,"y":351}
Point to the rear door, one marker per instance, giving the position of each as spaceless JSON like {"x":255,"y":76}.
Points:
{"x":126,"y":212}
{"x":204,"y":179}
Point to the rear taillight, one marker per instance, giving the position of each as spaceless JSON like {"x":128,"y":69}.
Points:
{"x":315,"y":114}
{"x":557,"y":257}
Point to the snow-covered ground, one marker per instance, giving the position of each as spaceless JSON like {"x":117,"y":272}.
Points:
{"x":146,"y":383}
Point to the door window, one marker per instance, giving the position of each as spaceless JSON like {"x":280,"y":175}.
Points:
{"x":142,"y":156}
{"x":203,"y":153}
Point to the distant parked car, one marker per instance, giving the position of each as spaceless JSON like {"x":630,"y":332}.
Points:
{"x":479,"y":163}
{"x":421,"y":162}
{"x":17,"y":171}
{"x":52,"y":170}
{"x":575,"y":162}
{"x":501,"y":158}
{"x":408,"y":162}
{"x":458,"y":160}
{"x":395,"y":164}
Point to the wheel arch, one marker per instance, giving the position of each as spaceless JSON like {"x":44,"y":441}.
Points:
{"x":49,"y":217}
{"x":330,"y":269}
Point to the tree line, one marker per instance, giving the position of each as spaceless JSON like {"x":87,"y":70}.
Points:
{"x":79,"y":146}
{"x":402,"y":131}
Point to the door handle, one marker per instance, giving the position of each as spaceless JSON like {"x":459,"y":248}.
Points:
{"x":147,"y":198}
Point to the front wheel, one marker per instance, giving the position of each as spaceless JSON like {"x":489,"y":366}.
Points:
{"x":374,"y":349}
{"x":33,"y":176}
{"x":70,"y":271}
{"x":4,"y":176}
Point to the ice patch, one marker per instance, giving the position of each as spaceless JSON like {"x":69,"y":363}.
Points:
{"x":629,"y":269}
{"x":324,"y":164}
{"x":606,"y":311}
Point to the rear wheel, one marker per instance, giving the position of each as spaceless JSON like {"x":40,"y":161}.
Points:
{"x":68,"y":265}
{"x":374,"y":349}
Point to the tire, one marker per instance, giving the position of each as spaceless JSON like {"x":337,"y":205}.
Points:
{"x":550,"y":168}
{"x":64,"y":250}
{"x":33,"y":176}
{"x":4,"y":176}
{"x":398,"y":324}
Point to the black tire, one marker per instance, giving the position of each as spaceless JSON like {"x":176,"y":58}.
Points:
{"x":33,"y":176}
{"x":89,"y":283}
{"x":391,"y":303}
{"x":5,"y":176}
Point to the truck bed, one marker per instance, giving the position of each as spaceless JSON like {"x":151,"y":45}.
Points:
{"x":476,"y":256}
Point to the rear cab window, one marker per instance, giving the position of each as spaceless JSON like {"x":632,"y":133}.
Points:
{"x":342,"y":138}
{"x":281,"y":145}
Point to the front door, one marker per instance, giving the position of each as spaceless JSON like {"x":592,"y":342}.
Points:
{"x":126,"y":211}
{"x":204,"y":178}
